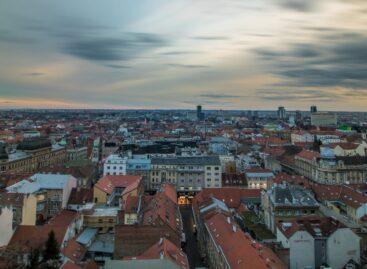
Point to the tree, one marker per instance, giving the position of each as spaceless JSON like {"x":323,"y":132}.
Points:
{"x":34,"y":259}
{"x":51,"y":252}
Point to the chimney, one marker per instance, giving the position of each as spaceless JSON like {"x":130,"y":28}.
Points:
{"x":234,"y":228}
{"x":229,"y":220}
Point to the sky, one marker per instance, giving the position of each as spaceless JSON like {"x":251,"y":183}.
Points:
{"x":175,"y":54}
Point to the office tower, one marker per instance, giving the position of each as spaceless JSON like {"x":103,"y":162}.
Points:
{"x":281,"y":112}
{"x":313,"y":109}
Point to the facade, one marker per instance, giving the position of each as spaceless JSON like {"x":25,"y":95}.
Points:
{"x":6,"y":224}
{"x":23,"y":206}
{"x":187,"y":173}
{"x":31,"y":155}
{"x":350,"y":149}
{"x":325,"y":240}
{"x":323,"y":119}
{"x":326,"y":168}
{"x":102,"y":218}
{"x":110,"y":190}
{"x":114,"y":165}
{"x":258,"y":178}
{"x":283,"y":202}
{"x":77,"y":154}
{"x":52,"y":192}
{"x":139,"y":167}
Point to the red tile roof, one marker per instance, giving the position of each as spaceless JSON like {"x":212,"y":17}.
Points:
{"x":168,"y":250}
{"x":30,"y":237}
{"x":325,"y":225}
{"x":170,"y":191}
{"x":239,"y":249}
{"x":230,"y":196}
{"x":109,"y":182}
{"x":344,"y":193}
{"x":308,"y":154}
{"x":74,"y":251}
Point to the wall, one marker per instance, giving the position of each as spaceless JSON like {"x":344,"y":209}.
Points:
{"x":6,"y":224}
{"x":100,"y":195}
{"x":342,"y":246}
{"x":29,"y":212}
{"x":301,"y":243}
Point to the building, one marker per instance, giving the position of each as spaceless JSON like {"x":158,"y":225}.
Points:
{"x":344,"y":200}
{"x":157,"y":216}
{"x":284,"y":203}
{"x":227,"y":246}
{"x":323,"y":119}
{"x":115,"y":165}
{"x":52,"y":192}
{"x":350,"y":149}
{"x":102,"y":218}
{"x":188,"y":174}
{"x":281,"y":113}
{"x":23,"y":207}
{"x":139,"y":167}
{"x":74,"y":154}
{"x":110,"y":189}
{"x":163,"y":254}
{"x":199,"y":113}
{"x":325,"y":240}
{"x":6,"y":224}
{"x":259,"y":178}
{"x":31,"y":155}
{"x":27,"y":238}
{"x":326,"y":168}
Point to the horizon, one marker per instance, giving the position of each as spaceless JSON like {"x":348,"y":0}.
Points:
{"x":169,"y":55}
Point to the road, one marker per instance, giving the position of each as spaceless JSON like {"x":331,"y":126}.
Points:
{"x":191,"y":248}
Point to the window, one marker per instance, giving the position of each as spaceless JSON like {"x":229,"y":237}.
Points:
{"x":216,"y":168}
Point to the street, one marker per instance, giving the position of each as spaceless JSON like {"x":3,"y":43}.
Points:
{"x":191,"y":248}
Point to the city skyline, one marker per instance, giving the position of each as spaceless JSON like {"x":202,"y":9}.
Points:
{"x":177,"y":54}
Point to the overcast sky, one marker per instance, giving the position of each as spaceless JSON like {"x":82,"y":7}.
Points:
{"x":225,"y":54}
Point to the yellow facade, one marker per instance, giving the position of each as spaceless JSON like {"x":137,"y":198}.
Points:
{"x":29,"y":211}
{"x":99,"y":196}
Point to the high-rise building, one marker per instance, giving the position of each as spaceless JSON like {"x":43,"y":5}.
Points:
{"x":313,"y":109}
{"x":281,"y":112}
{"x":199,"y":113}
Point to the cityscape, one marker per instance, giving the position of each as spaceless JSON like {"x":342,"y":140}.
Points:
{"x":226,"y":134}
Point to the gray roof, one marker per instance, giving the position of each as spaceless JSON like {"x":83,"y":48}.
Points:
{"x":292,"y":196}
{"x":87,"y":235}
{"x":197,"y":160}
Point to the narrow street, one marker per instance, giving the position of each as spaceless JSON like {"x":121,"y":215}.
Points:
{"x":191,"y":248}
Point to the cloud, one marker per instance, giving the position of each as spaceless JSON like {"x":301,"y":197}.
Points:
{"x":298,"y":5}
{"x":219,"y":96}
{"x":123,"y":48}
{"x":328,"y":62}
{"x":189,"y":65}
{"x":278,"y":94}
{"x":118,"y":66}
{"x":34,"y":74}
{"x":208,"y":37}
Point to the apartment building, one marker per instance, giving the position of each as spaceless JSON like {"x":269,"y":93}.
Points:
{"x":31,"y":155}
{"x":326,"y":168}
{"x":284,"y":202}
{"x":51,"y":190}
{"x":187,"y":173}
{"x":114,"y":165}
{"x":325,"y":240}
